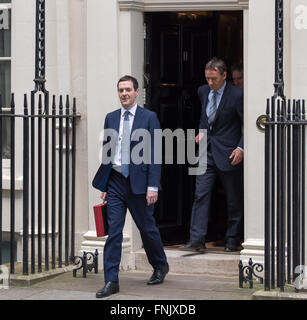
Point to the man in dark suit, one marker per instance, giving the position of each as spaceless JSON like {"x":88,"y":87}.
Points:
{"x":222,"y":117}
{"x":125,"y":184}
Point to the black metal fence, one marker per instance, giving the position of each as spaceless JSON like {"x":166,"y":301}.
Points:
{"x":48,"y":136}
{"x":285,"y":130}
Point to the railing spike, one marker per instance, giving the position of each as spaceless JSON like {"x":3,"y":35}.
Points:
{"x":12,"y":101}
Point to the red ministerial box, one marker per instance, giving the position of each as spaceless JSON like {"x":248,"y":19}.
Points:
{"x":100,"y":213}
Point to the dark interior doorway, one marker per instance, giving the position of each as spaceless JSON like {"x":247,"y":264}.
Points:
{"x":177,"y":47}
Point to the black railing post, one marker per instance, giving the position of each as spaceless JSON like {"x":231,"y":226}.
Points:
{"x":1,"y":148}
{"x":12,"y":170}
{"x":303,"y":183}
{"x":39,"y":80}
{"x":53,"y":181}
{"x":40,"y":184}
{"x":73,"y":177}
{"x":279,"y":196}
{"x":60,"y":184}
{"x":273,"y":198}
{"x":282,"y":198}
{"x":295,"y":181}
{"x":25,"y":187}
{"x":32,"y":169}
{"x":299,"y":166}
{"x":96,"y":261}
{"x":47,"y":182}
{"x":267,"y":262}
{"x":289,"y":192}
{"x":67,"y":181}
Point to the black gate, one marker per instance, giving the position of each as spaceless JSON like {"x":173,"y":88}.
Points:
{"x":285,"y":128}
{"x":285,"y":161}
{"x":49,"y":157}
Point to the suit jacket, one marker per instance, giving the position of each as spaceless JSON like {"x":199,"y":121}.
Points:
{"x":141,"y":175}
{"x":226,"y":133}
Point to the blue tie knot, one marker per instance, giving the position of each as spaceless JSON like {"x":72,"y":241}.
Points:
{"x":126,"y":115}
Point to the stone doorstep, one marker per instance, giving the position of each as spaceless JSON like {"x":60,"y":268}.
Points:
{"x":223,"y":264}
{"x":19,"y":280}
{"x":278,"y":295}
{"x":193,"y":263}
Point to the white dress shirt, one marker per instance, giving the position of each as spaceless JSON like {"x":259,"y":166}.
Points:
{"x":117,"y":158}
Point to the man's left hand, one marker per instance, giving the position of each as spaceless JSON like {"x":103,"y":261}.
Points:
{"x":236,"y":156}
{"x":151,"y":197}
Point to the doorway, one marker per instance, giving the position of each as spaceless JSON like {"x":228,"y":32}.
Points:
{"x":177,"y":47}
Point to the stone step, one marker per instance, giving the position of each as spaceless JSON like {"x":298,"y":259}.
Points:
{"x":210,"y":262}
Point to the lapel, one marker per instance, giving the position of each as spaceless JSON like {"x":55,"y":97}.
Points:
{"x":205,"y":102}
{"x":115,"y":122}
{"x":222,"y":103}
{"x":137,"y":122}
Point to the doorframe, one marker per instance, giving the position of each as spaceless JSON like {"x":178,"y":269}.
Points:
{"x":131,"y":58}
{"x":175,"y":5}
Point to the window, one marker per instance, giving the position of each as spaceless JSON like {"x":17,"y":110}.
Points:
{"x":5,"y":72}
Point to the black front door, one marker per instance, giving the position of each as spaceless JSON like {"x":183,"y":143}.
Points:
{"x":177,"y":47}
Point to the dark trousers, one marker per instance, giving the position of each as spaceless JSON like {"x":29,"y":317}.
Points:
{"x":233,"y":185}
{"x":119,"y":198}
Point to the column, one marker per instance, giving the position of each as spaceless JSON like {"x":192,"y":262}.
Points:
{"x":259,"y":78}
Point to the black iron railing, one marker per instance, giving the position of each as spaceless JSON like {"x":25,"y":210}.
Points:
{"x":50,"y":160}
{"x":285,"y":163}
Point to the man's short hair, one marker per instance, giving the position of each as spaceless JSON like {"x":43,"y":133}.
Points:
{"x":216,"y":64}
{"x":236,"y":67}
{"x":129,"y":78}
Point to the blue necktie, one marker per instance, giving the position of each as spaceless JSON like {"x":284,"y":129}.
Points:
{"x":212,"y":109}
{"x":125,"y":147}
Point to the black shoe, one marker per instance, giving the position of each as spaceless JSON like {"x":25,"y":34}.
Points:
{"x":158,"y":275}
{"x":193,"y":245}
{"x":108,"y":289}
{"x":230,"y":247}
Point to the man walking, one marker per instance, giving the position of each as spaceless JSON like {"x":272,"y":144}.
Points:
{"x":125,"y":184}
{"x":222,"y":117}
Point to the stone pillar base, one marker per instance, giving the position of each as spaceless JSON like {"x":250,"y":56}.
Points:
{"x":253,"y":248}
{"x":91,"y":242}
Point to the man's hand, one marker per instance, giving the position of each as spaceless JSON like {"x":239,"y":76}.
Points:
{"x":199,"y":137}
{"x":151,"y":197}
{"x":237,"y":156}
{"x":103,"y":197}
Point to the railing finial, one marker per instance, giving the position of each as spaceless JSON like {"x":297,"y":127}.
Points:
{"x":279,"y":48}
{"x":40,"y":47}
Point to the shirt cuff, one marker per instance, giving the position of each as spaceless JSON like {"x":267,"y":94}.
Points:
{"x":152,"y":189}
{"x":240,"y":149}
